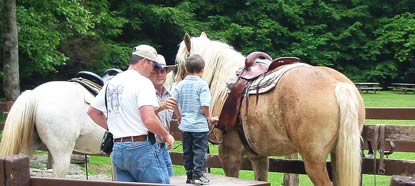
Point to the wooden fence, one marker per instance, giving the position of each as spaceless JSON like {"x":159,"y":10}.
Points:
{"x":14,"y":171}
{"x":403,"y":138}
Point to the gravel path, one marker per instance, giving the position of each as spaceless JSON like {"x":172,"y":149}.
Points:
{"x":38,"y":167}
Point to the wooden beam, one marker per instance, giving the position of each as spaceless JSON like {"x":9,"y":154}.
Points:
{"x":390,"y":113}
{"x":393,"y":167}
{"x":399,"y":146}
{"x":5,"y":106}
{"x":402,"y":133}
{"x":41,"y":181}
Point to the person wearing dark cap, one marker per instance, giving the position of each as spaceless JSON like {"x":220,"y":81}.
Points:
{"x":125,"y":106}
{"x":168,"y":106}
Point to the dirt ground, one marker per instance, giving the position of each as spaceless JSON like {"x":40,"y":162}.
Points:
{"x":38,"y":167}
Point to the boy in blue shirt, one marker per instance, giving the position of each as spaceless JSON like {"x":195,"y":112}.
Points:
{"x":193,"y":99}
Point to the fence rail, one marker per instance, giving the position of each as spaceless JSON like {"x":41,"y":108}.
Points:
{"x":402,"y":136}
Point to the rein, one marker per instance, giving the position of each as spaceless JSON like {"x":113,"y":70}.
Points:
{"x":210,"y":132}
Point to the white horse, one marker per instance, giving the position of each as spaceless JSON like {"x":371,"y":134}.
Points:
{"x":55,"y":114}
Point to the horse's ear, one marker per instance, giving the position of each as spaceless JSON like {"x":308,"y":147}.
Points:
{"x":203,"y":34}
{"x":187,"y":42}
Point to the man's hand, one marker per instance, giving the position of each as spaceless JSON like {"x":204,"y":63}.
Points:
{"x":169,"y":103}
{"x":170,"y":141}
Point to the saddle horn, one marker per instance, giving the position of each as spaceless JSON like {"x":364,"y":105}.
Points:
{"x":253,"y":56}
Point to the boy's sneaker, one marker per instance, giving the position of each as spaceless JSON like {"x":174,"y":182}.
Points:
{"x":204,"y":176}
{"x":202,"y":180}
{"x":189,"y":179}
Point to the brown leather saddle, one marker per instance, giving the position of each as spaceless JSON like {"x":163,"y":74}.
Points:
{"x":252,"y":70}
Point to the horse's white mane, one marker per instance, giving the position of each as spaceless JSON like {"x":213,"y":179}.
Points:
{"x":219,"y":59}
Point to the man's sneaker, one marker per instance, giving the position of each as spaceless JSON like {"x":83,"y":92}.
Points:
{"x":202,"y":180}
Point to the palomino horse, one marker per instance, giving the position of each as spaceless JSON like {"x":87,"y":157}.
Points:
{"x":55,"y":114}
{"x":312,"y":110}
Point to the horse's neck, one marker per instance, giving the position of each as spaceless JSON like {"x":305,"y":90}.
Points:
{"x":224,"y":68}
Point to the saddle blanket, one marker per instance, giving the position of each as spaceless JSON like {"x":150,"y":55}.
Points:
{"x":267,"y":81}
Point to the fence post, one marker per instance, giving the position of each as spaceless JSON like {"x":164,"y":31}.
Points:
{"x":291,"y":179}
{"x":14,"y":171}
{"x":9,"y":105}
{"x":2,"y":174}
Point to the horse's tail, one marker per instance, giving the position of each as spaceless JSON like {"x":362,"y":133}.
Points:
{"x":348,"y":159}
{"x":19,"y":126}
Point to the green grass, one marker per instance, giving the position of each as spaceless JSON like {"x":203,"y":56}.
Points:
{"x":381,"y":99}
{"x":389,"y":99}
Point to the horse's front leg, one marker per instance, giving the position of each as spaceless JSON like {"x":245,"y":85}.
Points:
{"x":260,"y":167}
{"x":230,"y":154}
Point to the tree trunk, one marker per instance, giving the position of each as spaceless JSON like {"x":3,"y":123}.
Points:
{"x":11,"y":81}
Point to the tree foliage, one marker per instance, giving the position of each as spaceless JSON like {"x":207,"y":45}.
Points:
{"x":366,"y":40}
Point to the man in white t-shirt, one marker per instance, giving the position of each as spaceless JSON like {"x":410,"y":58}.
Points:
{"x":125,"y":106}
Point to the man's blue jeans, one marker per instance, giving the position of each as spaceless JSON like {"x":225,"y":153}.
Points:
{"x":139,"y":162}
{"x":195,"y":146}
{"x":166,"y":156}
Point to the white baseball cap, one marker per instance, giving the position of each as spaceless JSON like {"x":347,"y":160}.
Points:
{"x":147,"y":52}
{"x":162,"y":62}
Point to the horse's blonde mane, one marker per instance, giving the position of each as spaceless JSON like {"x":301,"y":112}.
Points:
{"x":219,"y":59}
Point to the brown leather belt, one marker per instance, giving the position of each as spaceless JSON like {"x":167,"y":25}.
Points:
{"x":131,"y":138}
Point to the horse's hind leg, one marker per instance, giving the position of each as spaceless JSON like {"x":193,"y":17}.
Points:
{"x":260,"y":166}
{"x":61,"y":162}
{"x":317,"y":171}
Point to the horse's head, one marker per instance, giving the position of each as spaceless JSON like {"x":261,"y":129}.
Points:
{"x":185,"y":50}
{"x":221,"y":63}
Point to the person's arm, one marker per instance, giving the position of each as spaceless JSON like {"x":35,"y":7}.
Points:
{"x":152,"y":123}
{"x":211,"y":120}
{"x":98,"y":117}
{"x":169,"y":103}
{"x":177,"y":114}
